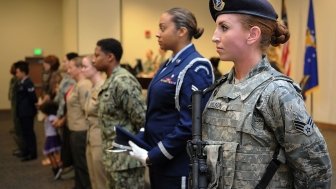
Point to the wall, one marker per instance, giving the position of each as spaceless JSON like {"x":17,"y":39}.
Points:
{"x":97,"y":20}
{"x":70,"y":26}
{"x":323,"y":107}
{"x":26,"y":25}
{"x":141,"y":15}
{"x":86,"y":21}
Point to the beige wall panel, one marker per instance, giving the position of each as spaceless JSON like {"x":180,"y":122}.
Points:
{"x":143,"y":15}
{"x":96,"y":20}
{"x":26,"y":25}
{"x":70,"y":26}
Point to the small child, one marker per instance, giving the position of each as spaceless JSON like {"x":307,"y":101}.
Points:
{"x":52,"y":146}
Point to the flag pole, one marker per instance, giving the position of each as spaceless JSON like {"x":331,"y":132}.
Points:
{"x":311,"y":104}
{"x":310,"y":63}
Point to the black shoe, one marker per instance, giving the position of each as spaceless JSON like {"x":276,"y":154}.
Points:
{"x":58,"y":174}
{"x":67,"y":169}
{"x":68,"y":173}
{"x":28,"y":158}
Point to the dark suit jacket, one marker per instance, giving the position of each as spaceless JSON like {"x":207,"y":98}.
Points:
{"x":26,"y":98}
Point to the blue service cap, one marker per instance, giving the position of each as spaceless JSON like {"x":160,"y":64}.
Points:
{"x":260,"y":8}
{"x":123,"y":136}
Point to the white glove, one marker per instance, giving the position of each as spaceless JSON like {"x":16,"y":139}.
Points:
{"x":138,"y":153}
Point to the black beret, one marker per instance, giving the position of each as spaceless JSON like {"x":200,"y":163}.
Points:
{"x":123,"y":136}
{"x":260,"y":8}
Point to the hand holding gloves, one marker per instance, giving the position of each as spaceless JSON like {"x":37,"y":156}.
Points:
{"x":138,"y":152}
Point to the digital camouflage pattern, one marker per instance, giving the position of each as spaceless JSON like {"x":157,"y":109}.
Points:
{"x":120,"y":103}
{"x":244,"y":123}
{"x":126,"y":179}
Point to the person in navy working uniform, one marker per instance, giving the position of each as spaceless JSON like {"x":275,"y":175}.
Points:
{"x":168,"y":118}
{"x":26,"y":110}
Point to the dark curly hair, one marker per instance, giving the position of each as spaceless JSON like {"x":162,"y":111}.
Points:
{"x":49,"y":107}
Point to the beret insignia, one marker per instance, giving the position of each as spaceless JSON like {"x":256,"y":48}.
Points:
{"x":218,"y":5}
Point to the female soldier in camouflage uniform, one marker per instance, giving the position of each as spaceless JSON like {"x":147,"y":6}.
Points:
{"x":257,"y":113}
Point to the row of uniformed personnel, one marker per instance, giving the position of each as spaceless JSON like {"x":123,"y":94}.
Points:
{"x":254,"y":116}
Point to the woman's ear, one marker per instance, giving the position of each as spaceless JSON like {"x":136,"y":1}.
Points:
{"x":182,"y":31}
{"x":254,"y":35}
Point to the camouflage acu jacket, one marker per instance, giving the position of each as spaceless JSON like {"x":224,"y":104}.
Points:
{"x":120,"y":103}
{"x":245,"y":122}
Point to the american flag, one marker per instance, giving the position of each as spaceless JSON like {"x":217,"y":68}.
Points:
{"x":285,"y":58}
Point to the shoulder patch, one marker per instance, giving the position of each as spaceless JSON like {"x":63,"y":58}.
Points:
{"x":305,"y":128}
{"x":203,"y":68}
{"x":31,"y":89}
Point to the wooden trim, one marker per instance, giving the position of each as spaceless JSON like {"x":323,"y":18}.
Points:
{"x":4,"y":110}
{"x":326,"y":126}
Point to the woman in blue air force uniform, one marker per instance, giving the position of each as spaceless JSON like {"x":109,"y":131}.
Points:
{"x":168,"y":119}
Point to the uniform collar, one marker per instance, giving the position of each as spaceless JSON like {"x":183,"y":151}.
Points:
{"x":109,"y":79}
{"x":261,"y":66}
{"x":23,"y":79}
{"x":177,"y":57}
{"x":116,"y":69}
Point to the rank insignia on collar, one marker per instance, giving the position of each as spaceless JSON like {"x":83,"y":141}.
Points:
{"x":305,"y":128}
